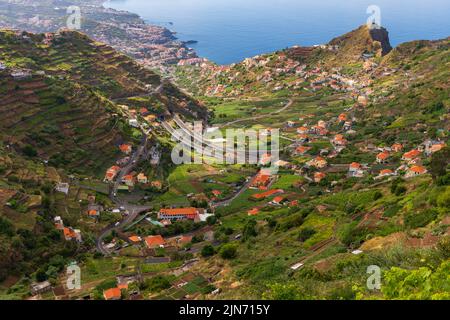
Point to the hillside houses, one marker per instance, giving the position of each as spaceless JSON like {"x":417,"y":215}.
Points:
{"x":317,"y":162}
{"x":411,"y":155}
{"x":415,"y":171}
{"x":356,"y":170}
{"x":383,"y":157}
{"x":153,"y":242}
{"x":262,"y":180}
{"x":111,"y":173}
{"x":71,"y":234}
{"x":126,"y":148}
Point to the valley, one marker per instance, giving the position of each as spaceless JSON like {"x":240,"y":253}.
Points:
{"x":87,"y":175}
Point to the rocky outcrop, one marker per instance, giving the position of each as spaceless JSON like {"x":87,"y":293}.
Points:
{"x":381,"y":35}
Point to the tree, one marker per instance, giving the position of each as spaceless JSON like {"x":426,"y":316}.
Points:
{"x":29,"y":151}
{"x":207,"y":251}
{"x":211,"y":220}
{"x":228,"y":251}
{"x":439,"y":163}
{"x":306,"y":234}
{"x":249,"y":230}
{"x":6,"y":227}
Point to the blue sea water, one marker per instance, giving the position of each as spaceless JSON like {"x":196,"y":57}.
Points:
{"x":228,"y":31}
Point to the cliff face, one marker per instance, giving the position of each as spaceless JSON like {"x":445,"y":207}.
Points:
{"x":381,"y":35}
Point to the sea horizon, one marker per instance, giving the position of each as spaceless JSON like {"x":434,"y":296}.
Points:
{"x":228,"y":32}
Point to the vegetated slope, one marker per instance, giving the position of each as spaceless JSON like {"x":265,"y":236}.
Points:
{"x":60,"y":121}
{"x":74,"y":56}
{"x":62,"y":105}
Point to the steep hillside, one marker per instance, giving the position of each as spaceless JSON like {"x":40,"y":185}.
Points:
{"x":58,"y":96}
{"x":294,"y":68}
{"x":74,"y":56}
{"x":60,"y":121}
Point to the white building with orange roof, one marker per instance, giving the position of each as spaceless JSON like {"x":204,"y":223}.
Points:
{"x":126,"y":148}
{"x":415,"y":171}
{"x":111,"y":173}
{"x":142,"y":178}
{"x":129,"y":180}
{"x":383,"y":157}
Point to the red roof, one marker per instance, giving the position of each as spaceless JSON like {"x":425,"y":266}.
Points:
{"x":253,"y":212}
{"x":125,"y":148}
{"x":355,"y":165}
{"x":179,"y":211}
{"x":267,"y":194}
{"x":278,"y":199}
{"x":386,"y":172}
{"x":154,"y":241}
{"x":418,"y":169}
{"x":411,"y":155}
{"x":383,"y":156}
{"x":134,"y":239}
{"x":112,"y":294}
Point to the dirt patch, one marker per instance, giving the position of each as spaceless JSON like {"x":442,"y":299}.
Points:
{"x":5,"y":195}
{"x":380,"y":243}
{"x":10,"y":281}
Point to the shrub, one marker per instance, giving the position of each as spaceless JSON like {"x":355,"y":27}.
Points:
{"x":249,"y":230}
{"x":207,"y":251}
{"x":306,"y":234}
{"x":6,"y":227}
{"x":377,"y":195}
{"x":29,"y":151}
{"x":228,"y":251}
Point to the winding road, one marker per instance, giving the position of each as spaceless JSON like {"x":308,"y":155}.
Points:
{"x":287,"y":106}
{"x":133,"y":210}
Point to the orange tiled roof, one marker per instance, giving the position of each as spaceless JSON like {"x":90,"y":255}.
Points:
{"x":111,"y":294}
{"x":355,"y":165}
{"x":134,"y":239}
{"x":418,"y":169}
{"x":383,"y":156}
{"x":267,"y":194}
{"x":125,"y":148}
{"x":154,"y":241}
{"x":69,"y":233}
{"x":412,"y":154}
{"x":253,"y":212}
{"x":128,"y":178}
{"x":278,"y":199}
{"x":386,"y":171}
{"x":179,"y":211}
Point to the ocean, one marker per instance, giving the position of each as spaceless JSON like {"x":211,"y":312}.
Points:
{"x":229,"y":31}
